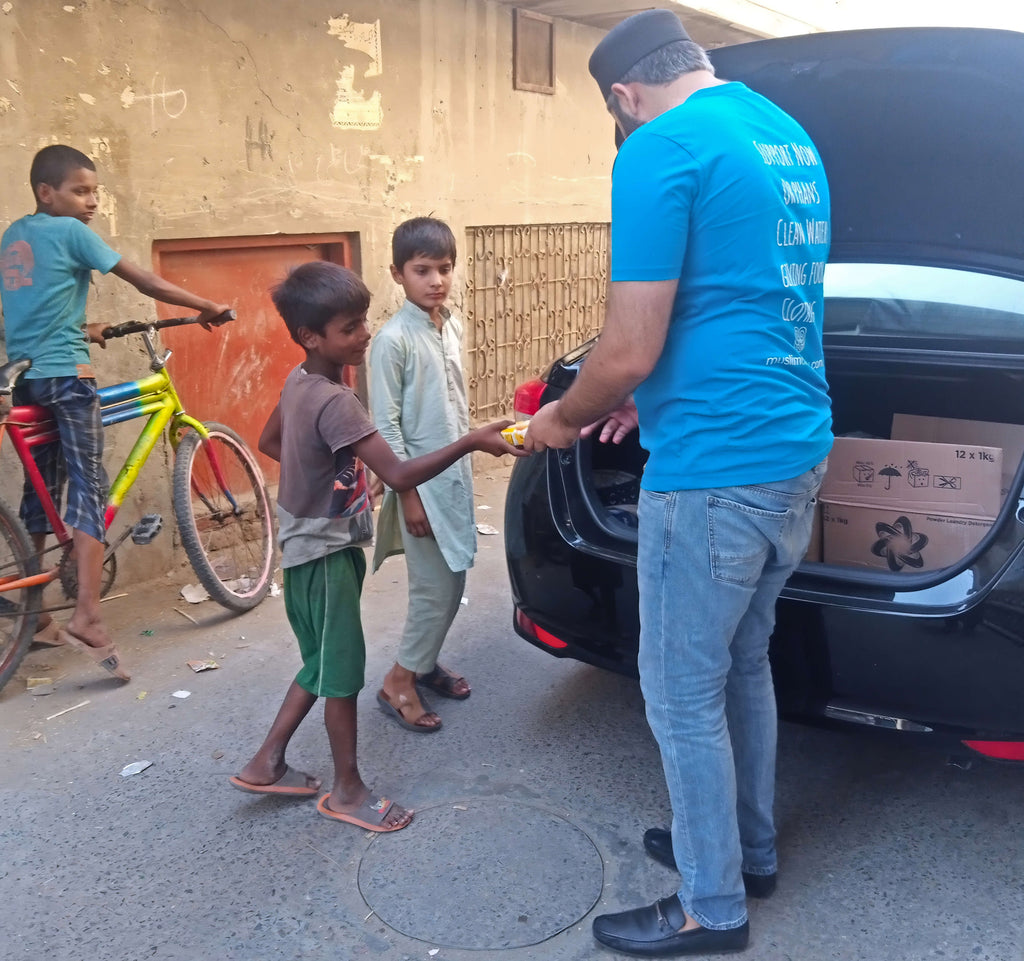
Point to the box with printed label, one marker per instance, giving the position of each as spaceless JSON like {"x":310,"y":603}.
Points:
{"x":958,"y":479}
{"x":952,"y":430}
{"x":890,"y":538}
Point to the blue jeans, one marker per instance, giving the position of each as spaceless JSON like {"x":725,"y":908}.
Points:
{"x":710,"y":565}
{"x":77,"y":457}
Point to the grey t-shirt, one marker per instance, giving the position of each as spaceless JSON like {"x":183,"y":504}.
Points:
{"x":323,"y":500}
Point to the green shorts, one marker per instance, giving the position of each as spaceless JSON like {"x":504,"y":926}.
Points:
{"x":322,"y":601}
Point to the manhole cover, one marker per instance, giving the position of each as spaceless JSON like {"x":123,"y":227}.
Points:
{"x":482,"y":873}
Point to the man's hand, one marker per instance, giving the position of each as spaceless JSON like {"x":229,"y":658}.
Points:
{"x":94,"y":333}
{"x":416,"y":522}
{"x":488,"y":439}
{"x":616,"y":425}
{"x":214,"y":316}
{"x":547,"y":429}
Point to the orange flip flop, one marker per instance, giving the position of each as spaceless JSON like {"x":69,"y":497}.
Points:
{"x":290,"y":784}
{"x":369,"y":815}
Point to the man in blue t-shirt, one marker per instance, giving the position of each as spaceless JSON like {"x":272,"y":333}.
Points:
{"x":46,"y":262}
{"x":712,"y":345}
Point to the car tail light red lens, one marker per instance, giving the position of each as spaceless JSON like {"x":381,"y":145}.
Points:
{"x":545,"y":637}
{"x":1002,"y":750}
{"x":526,"y":399}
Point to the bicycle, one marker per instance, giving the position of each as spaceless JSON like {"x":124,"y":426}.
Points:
{"x":219,"y":497}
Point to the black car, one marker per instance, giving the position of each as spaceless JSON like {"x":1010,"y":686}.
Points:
{"x":922,"y":135}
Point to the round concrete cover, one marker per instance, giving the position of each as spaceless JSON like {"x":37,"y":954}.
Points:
{"x":482,"y":873}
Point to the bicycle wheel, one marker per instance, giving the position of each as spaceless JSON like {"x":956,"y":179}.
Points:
{"x":17,"y":607}
{"x":223,"y":513}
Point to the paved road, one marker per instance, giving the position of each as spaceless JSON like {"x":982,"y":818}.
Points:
{"x":530,"y":806}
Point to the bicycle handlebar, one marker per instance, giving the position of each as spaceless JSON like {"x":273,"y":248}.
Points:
{"x":138,"y":327}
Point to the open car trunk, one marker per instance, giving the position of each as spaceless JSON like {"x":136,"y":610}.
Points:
{"x":873,"y":375}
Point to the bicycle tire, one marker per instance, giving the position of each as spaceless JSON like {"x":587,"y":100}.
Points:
{"x":17,"y":623}
{"x":227,"y":529}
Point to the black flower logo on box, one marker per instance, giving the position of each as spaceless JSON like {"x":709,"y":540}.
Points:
{"x":899,"y":544}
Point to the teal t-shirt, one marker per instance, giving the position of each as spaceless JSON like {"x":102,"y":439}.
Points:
{"x":45,"y":263}
{"x":727,"y":193}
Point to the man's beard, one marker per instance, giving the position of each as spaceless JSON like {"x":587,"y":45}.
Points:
{"x":627,"y":124}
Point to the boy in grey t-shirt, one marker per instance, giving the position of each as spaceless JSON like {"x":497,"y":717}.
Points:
{"x":322,"y":436}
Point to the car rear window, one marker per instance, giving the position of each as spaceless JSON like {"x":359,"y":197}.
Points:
{"x":873,"y":300}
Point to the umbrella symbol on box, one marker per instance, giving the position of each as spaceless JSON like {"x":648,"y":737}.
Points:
{"x":889,"y":472}
{"x":899,"y":544}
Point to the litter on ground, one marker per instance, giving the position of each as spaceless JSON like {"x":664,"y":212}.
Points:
{"x":135,"y":768}
{"x":198,"y":666}
{"x":68,"y":710}
{"x":194,"y":593}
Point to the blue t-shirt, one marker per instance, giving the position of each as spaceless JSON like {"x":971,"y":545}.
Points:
{"x":727,"y":193}
{"x":46,"y":262}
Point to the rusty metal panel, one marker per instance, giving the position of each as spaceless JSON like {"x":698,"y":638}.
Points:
{"x":533,"y":292}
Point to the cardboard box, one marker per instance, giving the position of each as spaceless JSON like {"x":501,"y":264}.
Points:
{"x":958,"y":479}
{"x":889,"y":538}
{"x":951,"y":430}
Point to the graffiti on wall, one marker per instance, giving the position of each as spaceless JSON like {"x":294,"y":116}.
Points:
{"x":353,"y":107}
{"x":172,"y":103}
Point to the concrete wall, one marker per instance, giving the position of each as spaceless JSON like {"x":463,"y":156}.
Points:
{"x":238,"y":117}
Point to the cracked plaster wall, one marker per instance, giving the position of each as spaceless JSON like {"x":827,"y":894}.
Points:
{"x":235,"y":117}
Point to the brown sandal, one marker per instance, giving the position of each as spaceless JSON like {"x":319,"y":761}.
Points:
{"x":442,"y":681}
{"x":398,"y":714}
{"x":49,"y":636}
{"x":105,"y":657}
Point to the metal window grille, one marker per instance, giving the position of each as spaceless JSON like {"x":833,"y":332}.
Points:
{"x":533,"y":292}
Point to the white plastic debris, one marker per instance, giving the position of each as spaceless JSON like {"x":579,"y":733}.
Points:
{"x":194,"y":593}
{"x":486,"y":529}
{"x":181,"y":695}
{"x":275,"y":591}
{"x":135,"y":768}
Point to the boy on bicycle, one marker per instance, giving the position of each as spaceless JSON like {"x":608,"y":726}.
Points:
{"x":322,"y":436}
{"x":46,"y":259}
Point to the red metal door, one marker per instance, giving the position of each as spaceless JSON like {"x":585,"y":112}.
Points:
{"x":234,"y":374}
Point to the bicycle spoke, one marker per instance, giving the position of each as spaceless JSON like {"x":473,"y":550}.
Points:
{"x":223,"y":513}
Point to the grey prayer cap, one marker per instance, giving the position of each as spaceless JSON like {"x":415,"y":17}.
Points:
{"x":627,"y":43}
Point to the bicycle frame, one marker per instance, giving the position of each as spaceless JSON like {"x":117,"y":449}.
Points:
{"x":154,"y":397}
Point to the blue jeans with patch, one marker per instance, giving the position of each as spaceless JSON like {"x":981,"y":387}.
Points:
{"x":76,"y":458}
{"x":710,"y":565}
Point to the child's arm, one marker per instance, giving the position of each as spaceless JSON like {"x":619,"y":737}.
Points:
{"x":416,"y":521}
{"x":270,"y":439}
{"x":403,"y":475}
{"x":152,"y":285}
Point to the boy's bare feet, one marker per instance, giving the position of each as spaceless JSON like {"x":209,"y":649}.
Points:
{"x":91,"y":631}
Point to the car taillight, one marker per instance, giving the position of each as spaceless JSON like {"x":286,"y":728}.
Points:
{"x":545,"y":637}
{"x":526,"y":399}
{"x":1002,"y":750}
